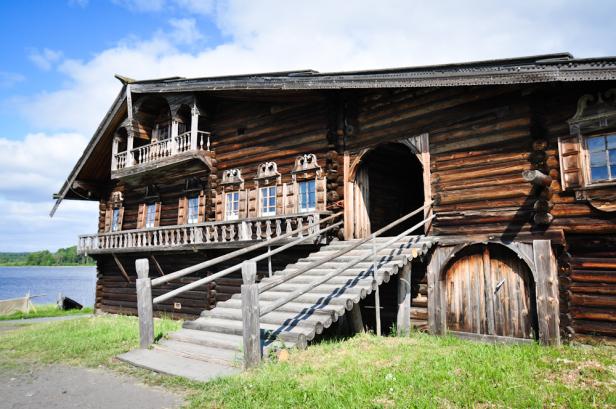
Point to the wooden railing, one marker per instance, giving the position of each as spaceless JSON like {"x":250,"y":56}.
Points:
{"x":262,"y":228}
{"x":162,"y":149}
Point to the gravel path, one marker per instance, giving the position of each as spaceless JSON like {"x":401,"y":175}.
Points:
{"x":69,"y":387}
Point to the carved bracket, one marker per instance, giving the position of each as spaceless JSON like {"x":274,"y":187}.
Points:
{"x":232,"y":176}
{"x":305,"y":163}
{"x":267,"y":170}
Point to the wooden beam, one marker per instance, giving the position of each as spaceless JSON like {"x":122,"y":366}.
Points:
{"x":157,"y":266}
{"x":547,"y":292}
{"x":121,"y":267}
{"x":358,"y":324}
{"x":403,"y":322}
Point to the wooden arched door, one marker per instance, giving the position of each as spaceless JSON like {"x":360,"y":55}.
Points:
{"x":491,"y":291}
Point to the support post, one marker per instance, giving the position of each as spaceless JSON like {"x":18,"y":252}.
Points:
{"x":358,"y":323}
{"x":377,"y":297}
{"x":546,"y":284}
{"x":131,"y":129}
{"x":114,"y":152}
{"x":251,"y":315}
{"x":144,"y":303}
{"x":174,"y":136}
{"x":194,"y":126}
{"x":403,"y":322}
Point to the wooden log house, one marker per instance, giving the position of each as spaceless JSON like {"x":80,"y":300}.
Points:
{"x":518,"y":157}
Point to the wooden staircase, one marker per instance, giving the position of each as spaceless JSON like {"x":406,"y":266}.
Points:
{"x":210,"y":346}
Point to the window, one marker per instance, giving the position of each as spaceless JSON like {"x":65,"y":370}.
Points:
{"x":150,"y":215}
{"x":307,"y":196}
{"x":268,"y":201}
{"x":602,"y":155}
{"x":232,"y":205}
{"x":115,"y":220}
{"x":193,"y":209}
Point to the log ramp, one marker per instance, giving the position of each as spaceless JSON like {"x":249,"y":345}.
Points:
{"x":211,"y":345}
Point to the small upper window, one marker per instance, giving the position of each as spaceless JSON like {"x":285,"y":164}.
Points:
{"x":193,"y":209}
{"x":268,"y":201}
{"x":115,"y":220}
{"x":602,"y":153}
{"x":150,"y":215}
{"x":307,"y":196}
{"x":232,"y":205}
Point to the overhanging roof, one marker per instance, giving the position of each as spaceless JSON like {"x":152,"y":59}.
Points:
{"x":561,"y":67}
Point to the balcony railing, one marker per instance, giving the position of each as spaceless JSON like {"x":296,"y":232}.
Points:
{"x":201,"y":235}
{"x":160,"y":150}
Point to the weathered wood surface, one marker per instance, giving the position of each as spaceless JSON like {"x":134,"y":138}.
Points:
{"x":144,"y":304}
{"x":251,"y":315}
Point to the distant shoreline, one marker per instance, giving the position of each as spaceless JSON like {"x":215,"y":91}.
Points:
{"x":36,"y":265}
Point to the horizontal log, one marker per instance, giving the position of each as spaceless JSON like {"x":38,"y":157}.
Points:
{"x":537,"y":178}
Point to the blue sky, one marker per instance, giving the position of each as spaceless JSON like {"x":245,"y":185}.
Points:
{"x":58,"y":58}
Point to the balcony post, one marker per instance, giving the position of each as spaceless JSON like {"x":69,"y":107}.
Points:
{"x":144,"y":303}
{"x":174,"y":136}
{"x":194,"y":127}
{"x":129,"y":149}
{"x":114,"y":151}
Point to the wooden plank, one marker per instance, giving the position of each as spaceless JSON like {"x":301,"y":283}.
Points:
{"x":251,"y":315}
{"x":120,"y":267}
{"x":403,"y":321}
{"x":547,"y":292}
{"x":157,"y":265}
{"x":144,"y":304}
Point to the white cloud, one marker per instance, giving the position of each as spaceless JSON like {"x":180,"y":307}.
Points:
{"x":31,"y":170}
{"x":204,"y":7}
{"x":45,"y":59}
{"x":184,"y":31}
{"x":142,"y":5}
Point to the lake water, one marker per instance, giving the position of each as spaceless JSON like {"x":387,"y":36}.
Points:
{"x":78,"y":283}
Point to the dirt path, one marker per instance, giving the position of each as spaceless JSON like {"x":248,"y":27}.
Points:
{"x":58,"y":386}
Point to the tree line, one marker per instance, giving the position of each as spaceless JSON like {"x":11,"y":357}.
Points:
{"x":63,"y":257}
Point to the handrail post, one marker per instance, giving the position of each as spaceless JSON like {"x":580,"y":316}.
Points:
{"x":377,"y":297}
{"x":269,"y":261}
{"x":251,"y":315}
{"x":144,"y":303}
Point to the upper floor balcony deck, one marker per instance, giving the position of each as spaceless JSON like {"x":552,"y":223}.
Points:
{"x":216,"y":234}
{"x":186,"y":146}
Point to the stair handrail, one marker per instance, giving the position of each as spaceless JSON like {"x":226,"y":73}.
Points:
{"x":291,"y":296}
{"x":240,"y":252}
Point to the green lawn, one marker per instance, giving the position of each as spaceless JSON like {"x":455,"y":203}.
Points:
{"x":417,"y":371}
{"x":45,"y":310}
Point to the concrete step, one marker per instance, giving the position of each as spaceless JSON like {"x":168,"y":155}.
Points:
{"x":170,"y":363}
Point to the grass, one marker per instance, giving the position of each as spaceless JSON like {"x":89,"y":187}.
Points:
{"x":419,"y":371}
{"x":45,"y":310}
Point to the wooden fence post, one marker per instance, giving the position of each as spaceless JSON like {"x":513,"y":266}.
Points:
{"x":251,"y":315}
{"x":144,"y":303}
{"x":404,"y":301}
{"x":546,"y":286}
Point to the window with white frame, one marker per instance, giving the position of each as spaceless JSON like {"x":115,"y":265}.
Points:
{"x":115,"y":220}
{"x":268,"y":201}
{"x":602,"y":157}
{"x":307,"y":196}
{"x":150,"y":215}
{"x":232,"y":205}
{"x":193,"y":209}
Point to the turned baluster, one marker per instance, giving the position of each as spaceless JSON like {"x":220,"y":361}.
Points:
{"x":278,"y":227}
{"x":258,"y":230}
{"x":288,"y":226}
{"x":215,"y":234}
{"x":300,"y":233}
{"x":249,"y":231}
{"x":207,"y":234}
{"x":185,"y":236}
{"x":232,"y":232}
{"x":268,"y":229}
{"x":224,"y":233}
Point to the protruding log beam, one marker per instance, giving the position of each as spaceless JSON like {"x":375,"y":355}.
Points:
{"x":537,"y":178}
{"x":543,"y":218}
{"x":543,"y":206}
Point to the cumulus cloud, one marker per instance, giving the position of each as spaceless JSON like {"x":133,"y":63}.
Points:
{"x":185,"y":31}
{"x":31,"y":170}
{"x":45,"y":59}
{"x":142,"y":5}
{"x":8,"y":79}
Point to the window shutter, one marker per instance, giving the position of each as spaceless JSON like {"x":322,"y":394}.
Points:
{"x":157,"y":214}
{"x":120,"y":217}
{"x":141,"y":216}
{"x":243,"y":204}
{"x":201,"y":214}
{"x":182,"y":204}
{"x":280,"y":200}
{"x":108,"y":217}
{"x":320,"y":186}
{"x":570,"y":153}
{"x":220,"y":215}
{"x":254,"y":202}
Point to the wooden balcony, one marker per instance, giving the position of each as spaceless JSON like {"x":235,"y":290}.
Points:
{"x":225,"y":234}
{"x":161,"y":153}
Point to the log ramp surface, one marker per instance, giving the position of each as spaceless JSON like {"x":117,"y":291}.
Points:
{"x":211,"y":346}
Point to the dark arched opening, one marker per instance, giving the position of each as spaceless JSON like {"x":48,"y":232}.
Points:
{"x":153,"y":120}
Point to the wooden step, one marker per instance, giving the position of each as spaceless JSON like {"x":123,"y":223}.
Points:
{"x":316,"y":298}
{"x":275,"y":317}
{"x":207,"y":338}
{"x":334,"y":311}
{"x":170,"y":363}
{"x":191,"y":350}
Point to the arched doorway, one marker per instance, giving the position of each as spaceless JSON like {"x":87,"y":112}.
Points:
{"x":388,"y":183}
{"x":490,"y":290}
